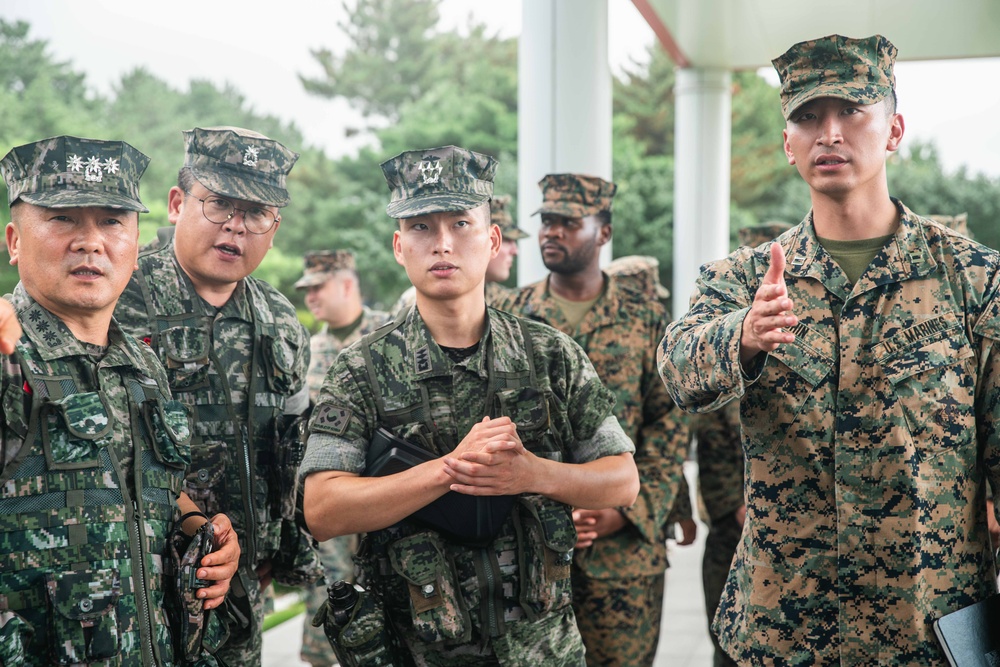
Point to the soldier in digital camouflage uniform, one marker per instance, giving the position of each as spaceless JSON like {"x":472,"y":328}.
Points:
{"x":333,"y":295}
{"x":235,"y":354}
{"x":862,"y":346}
{"x":642,"y":272}
{"x":510,"y":408}
{"x":92,"y":447}
{"x":720,"y":476}
{"x":619,"y":567}
{"x":499,"y":267}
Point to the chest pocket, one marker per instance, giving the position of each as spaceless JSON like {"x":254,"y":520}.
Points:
{"x":186,"y":357}
{"x":279,"y":363}
{"x":171,"y":432}
{"x":528,"y":408}
{"x":74,"y":429}
{"x":786,"y":388}
{"x":932,"y":379}
{"x":84,"y":626}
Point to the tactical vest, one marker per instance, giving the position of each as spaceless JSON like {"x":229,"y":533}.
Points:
{"x":82,"y":549}
{"x":233,"y":467}
{"x":425,"y":578}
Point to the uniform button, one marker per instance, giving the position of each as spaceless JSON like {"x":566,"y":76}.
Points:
{"x":202,"y":475}
{"x":86,"y":604}
{"x":427,"y":590}
{"x":850,"y":497}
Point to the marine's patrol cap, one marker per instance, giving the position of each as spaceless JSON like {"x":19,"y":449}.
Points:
{"x":575,"y":195}
{"x":69,"y":172}
{"x":754,"y":235}
{"x":238,"y":163}
{"x":436,"y":180}
{"x":859,"y":70}
{"x":322,"y":264}
{"x":500,"y":216}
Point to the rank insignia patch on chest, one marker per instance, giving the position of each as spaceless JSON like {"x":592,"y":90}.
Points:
{"x":423,"y":359}
{"x":331,"y":419}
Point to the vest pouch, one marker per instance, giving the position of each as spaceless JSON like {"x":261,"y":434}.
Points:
{"x":186,"y":350}
{"x":529,"y":409}
{"x":84,"y":622}
{"x":171,"y":432}
{"x":546,"y":536}
{"x":279,"y":362}
{"x":72,"y":429}
{"x":436,"y":606}
{"x":206,"y":479}
{"x":15,"y":635}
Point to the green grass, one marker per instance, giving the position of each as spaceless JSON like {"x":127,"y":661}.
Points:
{"x":279,"y":617}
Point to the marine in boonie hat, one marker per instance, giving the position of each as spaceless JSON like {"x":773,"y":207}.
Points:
{"x":859,"y":70}
{"x":753,"y":235}
{"x":500,"y":216}
{"x":238,"y":163}
{"x":436,"y":180}
{"x":322,"y":264}
{"x":70,"y":172}
{"x":575,"y":195}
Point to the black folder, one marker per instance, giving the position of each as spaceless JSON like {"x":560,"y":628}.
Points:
{"x":971,"y":636}
{"x":473,"y":520}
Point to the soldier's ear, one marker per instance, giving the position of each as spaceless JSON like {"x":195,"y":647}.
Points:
{"x":13,"y":241}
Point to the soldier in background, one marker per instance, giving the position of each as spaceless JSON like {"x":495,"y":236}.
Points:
{"x":503,"y":407}
{"x":92,"y":447}
{"x":236,"y":355}
{"x":864,"y":348}
{"x":333,"y":295}
{"x":499,"y":267}
{"x":720,"y":476}
{"x":619,"y":567}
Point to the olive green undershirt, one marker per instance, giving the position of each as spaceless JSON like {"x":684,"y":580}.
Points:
{"x":574,"y":311}
{"x":853,"y":257}
{"x":342,"y":333}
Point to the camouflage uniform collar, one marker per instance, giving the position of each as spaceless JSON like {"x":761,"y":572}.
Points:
{"x":428,"y":359}
{"x":606,"y":311}
{"x":906,"y":256}
{"x":237,"y":306}
{"x":54,"y":340}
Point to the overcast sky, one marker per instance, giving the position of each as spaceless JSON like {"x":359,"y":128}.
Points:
{"x":261,"y":50}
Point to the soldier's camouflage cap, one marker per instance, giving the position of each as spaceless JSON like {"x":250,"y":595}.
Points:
{"x":437,"y":180}
{"x":754,"y":235}
{"x":500,"y":216}
{"x":322,"y":264}
{"x":642,"y":271}
{"x":69,"y":172}
{"x":859,"y":70}
{"x":575,"y":195}
{"x":240,"y":164}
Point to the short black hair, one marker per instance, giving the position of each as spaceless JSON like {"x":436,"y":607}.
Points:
{"x":604,"y":217}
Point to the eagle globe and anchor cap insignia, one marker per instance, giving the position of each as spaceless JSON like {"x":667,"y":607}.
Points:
{"x":431,"y":171}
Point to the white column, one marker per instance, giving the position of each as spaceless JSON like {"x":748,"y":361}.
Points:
{"x":703,"y":102}
{"x":564,"y":107}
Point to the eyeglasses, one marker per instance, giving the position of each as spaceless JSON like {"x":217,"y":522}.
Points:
{"x":257,"y":219}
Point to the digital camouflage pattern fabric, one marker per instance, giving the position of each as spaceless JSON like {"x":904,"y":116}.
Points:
{"x":237,"y":368}
{"x":236,"y":163}
{"x":765,"y":232}
{"x":720,"y":481}
{"x":63,"y":172}
{"x":88,"y":491}
{"x":322,"y":264}
{"x":500,"y":216}
{"x":435,"y":180}
{"x":517,"y":610}
{"x":641,"y":272}
{"x":869,"y":443}
{"x":575,"y":195}
{"x":620,"y":335}
{"x":335,"y":554}
{"x":858,"y":70}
